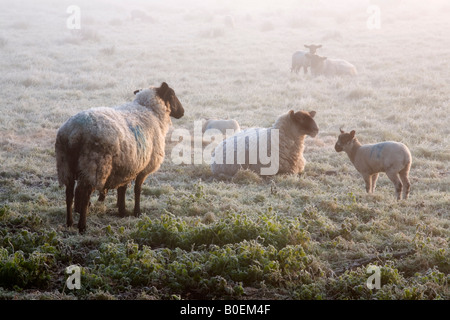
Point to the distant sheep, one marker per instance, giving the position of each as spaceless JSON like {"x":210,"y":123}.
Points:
{"x":292,"y":129}
{"x":330,"y":67}
{"x":107,"y":148}
{"x":301,"y":60}
{"x":221,"y":125}
{"x":393,"y":158}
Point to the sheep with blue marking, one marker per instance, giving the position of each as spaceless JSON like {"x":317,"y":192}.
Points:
{"x":393,"y":158}
{"x":108,"y":148}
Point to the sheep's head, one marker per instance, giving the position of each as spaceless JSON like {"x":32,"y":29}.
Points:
{"x":304,"y":122}
{"x":317,"y":62}
{"x":167,"y":94}
{"x":345,"y":140}
{"x":313,"y":48}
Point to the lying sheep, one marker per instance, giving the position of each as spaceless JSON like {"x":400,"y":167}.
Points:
{"x":245,"y":149}
{"x":221,"y":125}
{"x":390,"y":157}
{"x":107,"y":148}
{"x":300,"y":59}
{"x":330,"y":67}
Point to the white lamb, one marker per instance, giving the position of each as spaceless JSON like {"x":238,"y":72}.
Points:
{"x":330,"y":67}
{"x":391,"y":157}
{"x":221,"y":125}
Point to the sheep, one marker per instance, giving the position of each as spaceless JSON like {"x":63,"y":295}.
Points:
{"x":286,"y":153}
{"x":221,"y":125}
{"x":301,"y":60}
{"x":107,"y":148}
{"x":391,"y":157}
{"x":330,"y":67}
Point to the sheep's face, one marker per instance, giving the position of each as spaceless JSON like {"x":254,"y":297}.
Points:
{"x":313,"y":48}
{"x":171,"y":101}
{"x":317,"y":62}
{"x":304,"y":123}
{"x":345,"y":141}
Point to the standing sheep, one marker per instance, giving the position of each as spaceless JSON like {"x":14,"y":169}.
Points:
{"x":291,"y":127}
{"x":330,"y":67}
{"x":300,"y":59}
{"x":107,"y":148}
{"x":390,"y":157}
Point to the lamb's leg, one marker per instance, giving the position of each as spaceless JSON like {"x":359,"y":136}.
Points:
{"x":69,"y":201}
{"x":368,"y":181}
{"x":83,"y":192}
{"x":121,"y":200}
{"x":405,"y":180}
{"x":393,"y":176}
{"x":137,"y":193}
{"x":374,"y":182}
{"x":305,"y":70}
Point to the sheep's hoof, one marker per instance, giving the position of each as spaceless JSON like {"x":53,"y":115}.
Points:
{"x":137,"y":213}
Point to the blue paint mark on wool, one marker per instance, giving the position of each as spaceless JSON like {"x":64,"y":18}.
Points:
{"x":139,"y":137}
{"x":377,"y":150}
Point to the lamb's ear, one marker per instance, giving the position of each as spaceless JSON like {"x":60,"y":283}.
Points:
{"x":340,"y":129}
{"x":312,"y":114}
{"x":306,"y":46}
{"x":352,"y":133}
{"x":291,"y":114}
{"x":136,"y":91}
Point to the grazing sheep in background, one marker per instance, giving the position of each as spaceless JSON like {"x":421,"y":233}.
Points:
{"x":107,"y":148}
{"x":292,"y":129}
{"x":390,"y":157}
{"x":330,"y":67}
{"x":221,"y":125}
{"x":301,"y":60}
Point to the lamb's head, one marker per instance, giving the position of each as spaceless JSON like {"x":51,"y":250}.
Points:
{"x":303,"y":123}
{"x":167,"y":94}
{"x":317,"y":62}
{"x":313,"y":48}
{"x":345,"y":141}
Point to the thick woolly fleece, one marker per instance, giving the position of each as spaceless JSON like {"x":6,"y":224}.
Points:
{"x":288,"y":152}
{"x":106,"y":148}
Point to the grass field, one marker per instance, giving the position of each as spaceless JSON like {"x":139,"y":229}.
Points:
{"x":308,"y":236}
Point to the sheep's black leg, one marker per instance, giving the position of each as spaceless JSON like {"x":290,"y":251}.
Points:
{"x":137,"y":194}
{"x":69,"y":201}
{"x":121,"y":200}
{"x":84,"y":195}
{"x":102,"y":195}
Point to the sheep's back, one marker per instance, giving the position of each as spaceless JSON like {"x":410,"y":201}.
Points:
{"x":228,"y":149}
{"x":388,"y":155}
{"x":339,"y":67}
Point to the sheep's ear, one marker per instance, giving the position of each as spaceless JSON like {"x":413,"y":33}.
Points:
{"x":306,"y":46}
{"x":163,"y":90}
{"x":291,"y":114}
{"x":312,"y":114}
{"x":352,"y":133}
{"x":319,"y":46}
{"x":342,"y":131}
{"x":136,"y":91}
